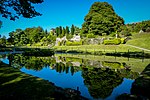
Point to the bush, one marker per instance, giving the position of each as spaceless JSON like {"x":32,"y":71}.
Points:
{"x":122,"y":40}
{"x":37,"y":44}
{"x":112,"y":42}
{"x":59,"y":43}
{"x":69,"y":36}
{"x":28,"y":44}
{"x":90,"y":36}
{"x":68,"y":43}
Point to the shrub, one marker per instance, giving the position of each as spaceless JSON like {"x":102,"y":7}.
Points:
{"x":90,"y":35}
{"x":38,"y":44}
{"x":69,"y":36}
{"x":122,"y":40}
{"x":28,"y":44}
{"x":59,"y":43}
{"x":112,"y":42}
{"x":75,"y":43}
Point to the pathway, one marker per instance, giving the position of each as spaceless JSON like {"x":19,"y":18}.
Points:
{"x":138,"y":47}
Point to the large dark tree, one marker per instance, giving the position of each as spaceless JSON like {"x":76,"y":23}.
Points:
{"x":12,"y":9}
{"x":72,"y":29}
{"x":101,"y":19}
{"x":67,"y":30}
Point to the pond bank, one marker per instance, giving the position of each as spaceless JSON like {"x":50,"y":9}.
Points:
{"x":20,"y":86}
{"x":27,"y":51}
{"x":108,"y":50}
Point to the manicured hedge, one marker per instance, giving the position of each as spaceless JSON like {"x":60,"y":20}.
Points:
{"x":75,"y":43}
{"x":114,"y":41}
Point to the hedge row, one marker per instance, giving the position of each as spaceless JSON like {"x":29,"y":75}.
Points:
{"x":114,"y":41}
{"x":75,"y":43}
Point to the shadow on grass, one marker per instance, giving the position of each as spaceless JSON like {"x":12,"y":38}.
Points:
{"x":15,"y":85}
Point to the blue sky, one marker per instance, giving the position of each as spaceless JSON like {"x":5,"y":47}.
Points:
{"x":68,"y":12}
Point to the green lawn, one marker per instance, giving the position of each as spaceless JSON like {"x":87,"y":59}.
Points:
{"x":140,"y":40}
{"x":102,"y":48}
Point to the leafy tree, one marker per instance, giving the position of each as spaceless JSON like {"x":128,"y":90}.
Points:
{"x":12,"y":9}
{"x":77,"y":30}
{"x":63,"y":31}
{"x":101,"y":19}
{"x":136,"y":27}
{"x":46,"y":32}
{"x":27,"y":36}
{"x":3,"y":41}
{"x":72,"y":29}
{"x":60,"y":30}
{"x":67,"y":30}
{"x":57,"y":31}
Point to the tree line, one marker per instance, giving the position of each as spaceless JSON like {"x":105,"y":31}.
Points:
{"x":128,"y":29}
{"x":38,"y":36}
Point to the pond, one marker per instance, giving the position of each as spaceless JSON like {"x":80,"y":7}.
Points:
{"x":96,"y":77}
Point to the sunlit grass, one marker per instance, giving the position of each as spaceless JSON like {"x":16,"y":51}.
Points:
{"x":140,"y":40}
{"x":102,"y":48}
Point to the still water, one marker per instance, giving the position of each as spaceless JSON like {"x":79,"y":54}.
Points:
{"x":96,"y":78}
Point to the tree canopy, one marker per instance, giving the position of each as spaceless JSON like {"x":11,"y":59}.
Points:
{"x":12,"y":9}
{"x":101,"y":19}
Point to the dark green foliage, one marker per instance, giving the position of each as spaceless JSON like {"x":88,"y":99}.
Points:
{"x":27,"y":36}
{"x":12,"y":9}
{"x":57,"y":31}
{"x":67,"y":30}
{"x":101,"y":19}
{"x":72,"y":29}
{"x":3,"y":41}
{"x":63,"y":31}
{"x":136,"y":27}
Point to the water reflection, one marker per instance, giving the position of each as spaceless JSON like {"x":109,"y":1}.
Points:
{"x":100,"y":82}
{"x":99,"y":77}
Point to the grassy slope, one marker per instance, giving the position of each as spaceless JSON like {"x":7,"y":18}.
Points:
{"x":140,"y":40}
{"x":106,"y":48}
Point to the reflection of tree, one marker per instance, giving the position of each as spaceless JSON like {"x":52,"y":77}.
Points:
{"x":30,"y":62}
{"x":127,"y":73}
{"x":61,"y":67}
{"x":100,"y":82}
